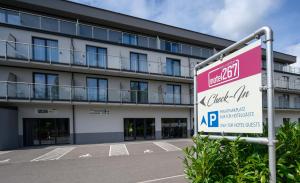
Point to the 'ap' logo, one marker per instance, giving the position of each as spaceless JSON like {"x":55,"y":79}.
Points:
{"x":213,"y":119}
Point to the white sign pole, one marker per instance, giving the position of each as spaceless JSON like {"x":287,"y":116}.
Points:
{"x":270,"y":141}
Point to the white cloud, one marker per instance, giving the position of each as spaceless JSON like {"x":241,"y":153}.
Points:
{"x":239,"y":17}
{"x":294,"y":50}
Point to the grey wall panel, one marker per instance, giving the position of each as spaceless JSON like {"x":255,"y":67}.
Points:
{"x":9,"y":138}
{"x":93,"y":138}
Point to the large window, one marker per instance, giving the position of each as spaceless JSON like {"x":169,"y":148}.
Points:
{"x":173,"y":94}
{"x":174,"y":127}
{"x":129,"y":39}
{"x":97,"y":89}
{"x":138,"y":62}
{"x":172,"y":47}
{"x":45,"y":49}
{"x":173,"y":67}
{"x":139,"y":92}
{"x":45,"y":86}
{"x":96,"y":56}
{"x":139,"y":128}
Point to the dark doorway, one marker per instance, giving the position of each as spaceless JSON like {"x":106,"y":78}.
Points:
{"x":174,"y":127}
{"x":139,"y":128}
{"x":46,"y":131}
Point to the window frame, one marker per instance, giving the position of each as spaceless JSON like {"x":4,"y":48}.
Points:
{"x":98,"y":87}
{"x":46,"y":96}
{"x":97,"y":56}
{"x":46,"y":50}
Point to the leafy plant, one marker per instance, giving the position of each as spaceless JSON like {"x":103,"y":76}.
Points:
{"x":236,"y":161}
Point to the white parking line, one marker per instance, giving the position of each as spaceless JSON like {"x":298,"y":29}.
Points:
{"x":165,"y":178}
{"x":118,"y":150}
{"x":167,"y":146}
{"x":5,"y":161}
{"x":4,"y":152}
{"x":54,"y":154}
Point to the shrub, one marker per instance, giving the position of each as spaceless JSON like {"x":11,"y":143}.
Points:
{"x":238,"y":162}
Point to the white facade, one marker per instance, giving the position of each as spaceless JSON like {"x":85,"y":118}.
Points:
{"x":105,"y":120}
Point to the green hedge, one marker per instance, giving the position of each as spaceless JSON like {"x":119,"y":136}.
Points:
{"x":238,"y":162}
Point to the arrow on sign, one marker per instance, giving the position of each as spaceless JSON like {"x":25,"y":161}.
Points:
{"x":202,"y":101}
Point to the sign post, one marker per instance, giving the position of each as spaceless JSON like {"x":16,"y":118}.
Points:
{"x":228,"y":96}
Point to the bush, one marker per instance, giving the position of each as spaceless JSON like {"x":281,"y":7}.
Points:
{"x":236,"y":161}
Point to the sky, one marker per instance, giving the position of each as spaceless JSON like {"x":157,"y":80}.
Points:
{"x":230,"y":19}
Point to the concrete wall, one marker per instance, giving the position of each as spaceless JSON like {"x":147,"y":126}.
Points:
{"x":8,"y":128}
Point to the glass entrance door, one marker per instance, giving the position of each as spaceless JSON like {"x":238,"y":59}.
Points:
{"x":139,"y":128}
{"x":46,"y":131}
{"x":174,"y":127}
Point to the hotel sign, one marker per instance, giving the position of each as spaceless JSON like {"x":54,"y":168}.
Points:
{"x":228,"y":93}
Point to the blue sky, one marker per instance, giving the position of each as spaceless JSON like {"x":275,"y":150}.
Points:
{"x":231,"y":19}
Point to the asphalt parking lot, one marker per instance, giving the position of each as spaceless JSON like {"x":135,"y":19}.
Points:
{"x":133,"y":162}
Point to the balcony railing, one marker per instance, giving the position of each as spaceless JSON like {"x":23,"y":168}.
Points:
{"x":25,"y":52}
{"x":283,"y":84}
{"x":284,"y":68}
{"x":34,"y":91}
{"x":35,"y":21}
{"x":284,"y":104}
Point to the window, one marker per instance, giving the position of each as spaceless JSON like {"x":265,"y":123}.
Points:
{"x":97,"y":89}
{"x":138,"y":62}
{"x":45,"y":49}
{"x":173,"y":94}
{"x":186,"y":49}
{"x":13,"y":17}
{"x":129,"y":39}
{"x":174,"y":127}
{"x":100,"y":33}
{"x":45,"y":86}
{"x":173,"y":67}
{"x":67,"y":27}
{"x":286,"y":120}
{"x":139,"y":92}
{"x":85,"y":30}
{"x":152,"y":43}
{"x":96,"y":56}
{"x":196,"y":51}
{"x":30,"y":20}
{"x":49,"y":24}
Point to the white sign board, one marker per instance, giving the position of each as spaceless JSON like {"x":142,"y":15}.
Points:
{"x":228,"y":93}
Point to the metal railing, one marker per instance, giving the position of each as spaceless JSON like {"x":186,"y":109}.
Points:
{"x":36,"y":91}
{"x":52,"y":24}
{"x":283,"y":84}
{"x":54,"y":55}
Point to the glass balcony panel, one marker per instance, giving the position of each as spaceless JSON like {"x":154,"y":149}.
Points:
{"x":100,"y":33}
{"x":49,"y":24}
{"x":85,"y":30}
{"x":68,"y":27}
{"x":186,"y":49}
{"x":3,"y":90}
{"x":13,"y":17}
{"x":29,"y":20}
{"x":2,"y":16}
{"x":142,"y":41}
{"x":196,"y":51}
{"x":64,"y":93}
{"x":115,"y":36}
{"x":152,"y":43}
{"x":78,"y":58}
{"x":80,"y":93}
{"x":18,"y":50}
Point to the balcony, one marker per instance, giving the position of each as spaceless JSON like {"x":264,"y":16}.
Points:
{"x":283,"y":85}
{"x":24,"y":54}
{"x":285,"y":105}
{"x":33,"y":92}
{"x":55,"y":25}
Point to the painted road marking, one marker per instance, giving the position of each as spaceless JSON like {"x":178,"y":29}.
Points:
{"x":5,"y":161}
{"x":85,"y":156}
{"x":148,"y":151}
{"x":164,"y":178}
{"x":54,"y":154}
{"x":118,"y":150}
{"x":4,"y":152}
{"x":167,"y":146}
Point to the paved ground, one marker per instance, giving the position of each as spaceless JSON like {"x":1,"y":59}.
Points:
{"x":132,"y":162}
